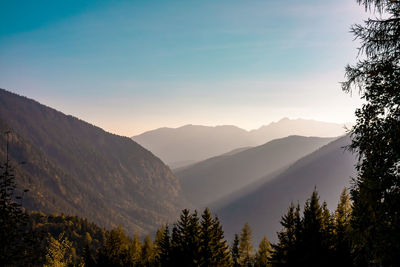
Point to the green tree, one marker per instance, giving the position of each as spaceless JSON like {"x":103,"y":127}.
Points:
{"x":246,"y":251}
{"x":185,"y":241}
{"x":263,"y":254}
{"x":328,"y":230}
{"x":213,"y":248}
{"x":286,"y":252}
{"x":163,"y":247}
{"x":221,"y":256}
{"x":206,"y":238}
{"x":313,"y":251}
{"x":376,"y":136}
{"x":147,"y":255}
{"x":235,"y":251}
{"x":119,"y":250}
{"x":343,"y":230}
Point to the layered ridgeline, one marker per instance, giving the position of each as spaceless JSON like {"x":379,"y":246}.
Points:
{"x":75,"y":168}
{"x":328,"y":169}
{"x":192,"y":143}
{"x":207,"y":181}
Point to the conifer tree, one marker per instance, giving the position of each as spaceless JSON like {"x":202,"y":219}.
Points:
{"x":376,"y":136}
{"x":287,"y":251}
{"x":328,"y":234}
{"x":185,"y":242}
{"x":246,"y":251}
{"x":221,"y":256}
{"x":264,"y":252}
{"x":147,"y":255}
{"x":162,"y":247}
{"x":235,"y":251}
{"x":343,"y":230}
{"x":135,"y":250}
{"x":206,"y":238}
{"x":118,"y":250}
{"x":311,"y":240}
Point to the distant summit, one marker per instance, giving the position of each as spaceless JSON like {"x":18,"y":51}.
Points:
{"x":192,"y":143}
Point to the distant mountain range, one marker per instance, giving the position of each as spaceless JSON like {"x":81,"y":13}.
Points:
{"x":192,"y":143}
{"x":328,"y":169}
{"x":208,"y":181}
{"x":75,"y":168}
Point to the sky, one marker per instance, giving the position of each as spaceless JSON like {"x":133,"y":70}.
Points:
{"x":133,"y":66}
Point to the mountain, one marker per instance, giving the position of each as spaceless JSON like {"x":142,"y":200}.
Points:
{"x":192,"y":143}
{"x":328,"y":169}
{"x":78,"y":169}
{"x":286,"y":127}
{"x":215,"y":178}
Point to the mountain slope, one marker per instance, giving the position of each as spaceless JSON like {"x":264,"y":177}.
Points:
{"x":212,"y":179}
{"x":192,"y":143}
{"x":329,"y":169}
{"x":76,"y":168}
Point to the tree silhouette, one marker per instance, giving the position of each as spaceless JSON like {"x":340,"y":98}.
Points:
{"x":376,"y":136}
{"x":16,"y":241}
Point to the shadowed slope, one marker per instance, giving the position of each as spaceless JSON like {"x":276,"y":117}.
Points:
{"x":329,"y":169}
{"x":212,"y":179}
{"x":79,"y":169}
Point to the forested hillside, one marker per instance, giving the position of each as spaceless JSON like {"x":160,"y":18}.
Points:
{"x":76,"y":168}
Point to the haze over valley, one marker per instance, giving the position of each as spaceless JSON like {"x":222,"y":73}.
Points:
{"x":200,"y":133}
{"x":77,"y":168}
{"x":192,"y":143}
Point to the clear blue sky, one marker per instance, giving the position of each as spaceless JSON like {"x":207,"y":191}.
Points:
{"x":131,"y":66}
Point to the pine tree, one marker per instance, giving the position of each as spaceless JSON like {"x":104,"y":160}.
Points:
{"x":206,"y":239}
{"x":311,"y":240}
{"x":185,"y":242}
{"x":135,"y":250}
{"x":118,"y":250}
{"x":343,"y":230}
{"x":163,"y":247}
{"x":286,"y":252}
{"x":221,"y":256}
{"x":246,"y":252}
{"x":376,"y":137}
{"x":328,"y":234}
{"x":147,"y":255}
{"x":263,"y":254}
{"x":235,"y":251}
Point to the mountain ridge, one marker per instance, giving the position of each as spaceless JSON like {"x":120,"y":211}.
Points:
{"x":193,"y":143}
{"x":207,"y":181}
{"x":77,"y":167}
{"x":329,"y":169}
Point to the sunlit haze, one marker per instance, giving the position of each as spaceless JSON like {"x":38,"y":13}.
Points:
{"x":133,"y":66}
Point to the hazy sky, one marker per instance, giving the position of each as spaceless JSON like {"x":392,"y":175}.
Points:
{"x":131,"y":66}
